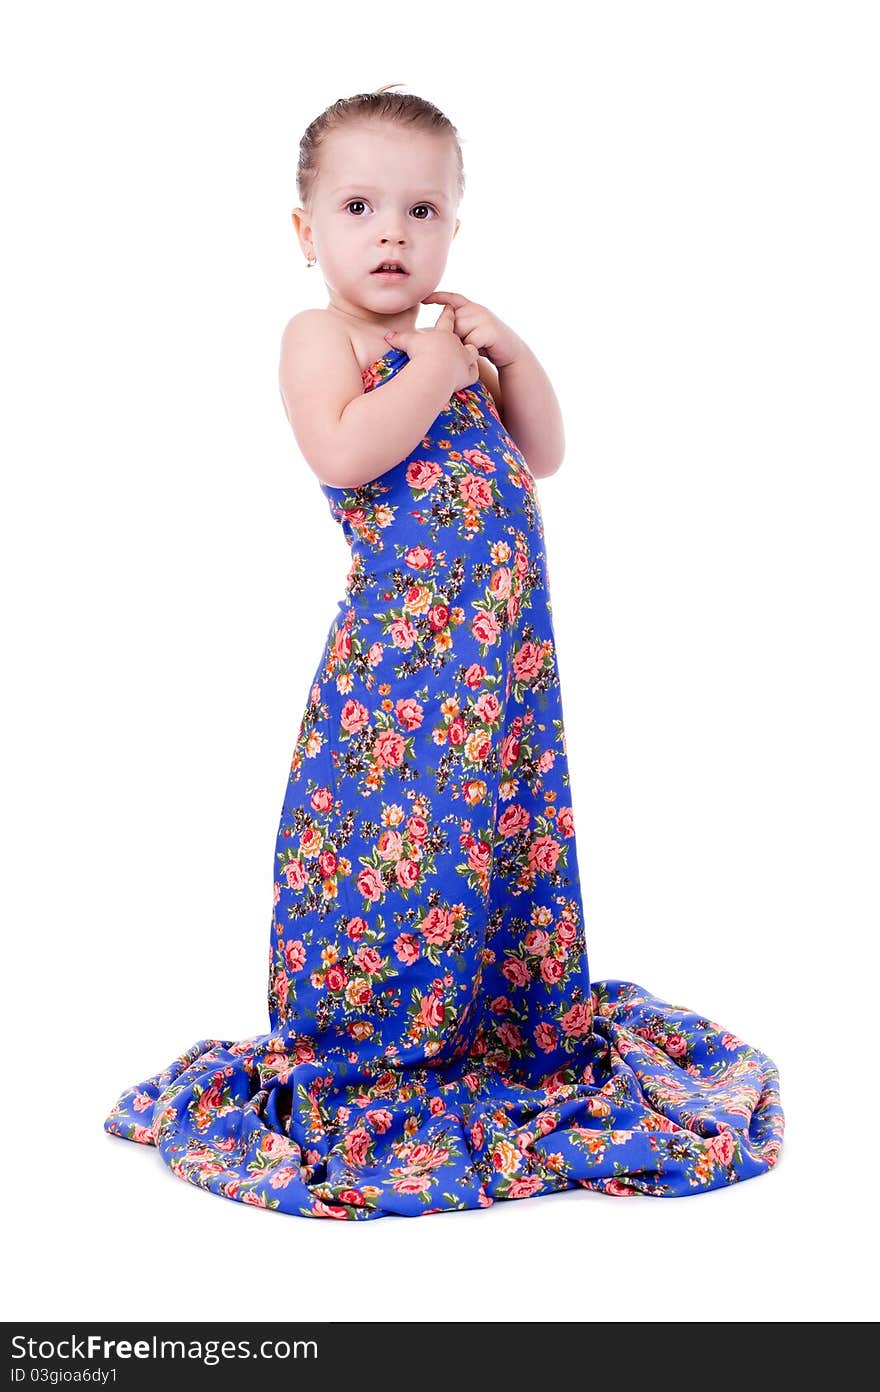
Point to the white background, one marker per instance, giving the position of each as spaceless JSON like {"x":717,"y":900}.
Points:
{"x":676,"y":206}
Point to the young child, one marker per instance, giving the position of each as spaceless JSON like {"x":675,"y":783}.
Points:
{"x":435,"y":1042}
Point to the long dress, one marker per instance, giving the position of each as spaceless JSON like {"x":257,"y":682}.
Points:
{"x":435,"y":1042}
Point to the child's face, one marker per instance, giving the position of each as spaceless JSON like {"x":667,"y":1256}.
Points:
{"x":382,"y":193}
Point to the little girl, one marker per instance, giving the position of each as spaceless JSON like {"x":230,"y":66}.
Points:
{"x":435,"y":1042}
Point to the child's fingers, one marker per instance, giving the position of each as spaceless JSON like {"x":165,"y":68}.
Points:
{"x":403,"y":338}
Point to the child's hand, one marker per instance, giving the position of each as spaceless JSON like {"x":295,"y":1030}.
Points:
{"x":476,"y":325}
{"x":441,"y":346}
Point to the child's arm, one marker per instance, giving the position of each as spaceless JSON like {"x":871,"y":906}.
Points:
{"x":531,"y":412}
{"x":346,"y":435}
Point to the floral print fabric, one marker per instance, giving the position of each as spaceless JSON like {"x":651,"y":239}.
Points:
{"x":434,"y":1039}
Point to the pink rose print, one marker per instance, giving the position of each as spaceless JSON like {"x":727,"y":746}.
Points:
{"x":509,"y":751}
{"x":409,"y":713}
{"x":577,"y":1020}
{"x":438,"y":617}
{"x":403,"y":634}
{"x":369,"y":960}
{"x":513,"y":820}
{"x":295,"y":874}
{"x":407,"y":948}
{"x":406,"y":872}
{"x":537,"y":942}
{"x":370,"y":884}
{"x":475,"y":491}
{"x":516,"y":971}
{"x":437,"y":926}
{"x":390,"y":845}
{"x":354,"y":717}
{"x":479,"y":459}
{"x":485,"y":628}
{"x":419,"y":558}
{"x":488,"y":707}
{"x":500,"y":583}
{"x":528,"y":661}
{"x":295,"y":955}
{"x":422,"y":474}
{"x":388,"y":749}
{"x":543,"y":854}
{"x":431,"y":1011}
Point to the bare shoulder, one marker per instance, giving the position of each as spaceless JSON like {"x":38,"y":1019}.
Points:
{"x":489,"y":377}
{"x":318,"y":375}
{"x":313,"y":321}
{"x":312,"y":341}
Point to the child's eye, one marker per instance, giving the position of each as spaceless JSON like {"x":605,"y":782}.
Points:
{"x":362,"y":203}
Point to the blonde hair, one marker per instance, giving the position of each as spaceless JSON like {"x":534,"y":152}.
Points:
{"x":403,"y":108}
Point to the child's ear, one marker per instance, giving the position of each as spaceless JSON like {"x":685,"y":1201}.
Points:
{"x":301,"y":227}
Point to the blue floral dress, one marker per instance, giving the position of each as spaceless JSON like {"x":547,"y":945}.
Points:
{"x":434,"y":1039}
